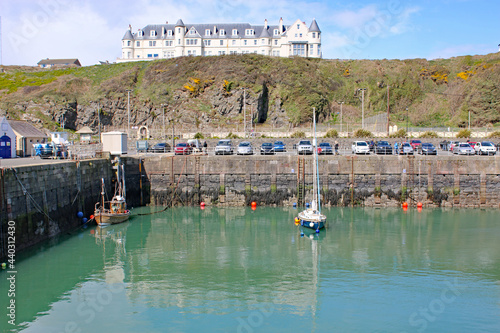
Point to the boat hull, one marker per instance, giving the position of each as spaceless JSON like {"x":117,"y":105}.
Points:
{"x":111,"y":218}
{"x":316,"y":225}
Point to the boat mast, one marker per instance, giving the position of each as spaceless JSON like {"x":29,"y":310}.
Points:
{"x":316,"y":197}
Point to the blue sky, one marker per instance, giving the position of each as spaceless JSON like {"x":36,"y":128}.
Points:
{"x":91,"y":30}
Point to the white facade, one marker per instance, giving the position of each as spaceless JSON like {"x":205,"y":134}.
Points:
{"x":165,"y":41}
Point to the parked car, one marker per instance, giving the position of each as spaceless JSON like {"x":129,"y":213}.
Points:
{"x":304,"y":147}
{"x":360,"y":147}
{"x":224,"y":146}
{"x":325,"y":148}
{"x":183,"y":148}
{"x":244,"y":148}
{"x":383,"y":147}
{"x":279,"y":146}
{"x":428,"y":149}
{"x":472,"y":144}
{"x":463,"y":148}
{"x":51,"y":150}
{"x":485,"y":148}
{"x":160,"y":147}
{"x":415,"y":144}
{"x":453,"y":144}
{"x":267,"y":148}
{"x":405,"y":149}
{"x":196,"y":145}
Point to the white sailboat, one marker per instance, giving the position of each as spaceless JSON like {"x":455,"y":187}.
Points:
{"x":312,"y":217}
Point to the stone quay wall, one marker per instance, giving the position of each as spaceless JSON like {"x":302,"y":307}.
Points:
{"x":374,"y":181}
{"x":43,"y":200}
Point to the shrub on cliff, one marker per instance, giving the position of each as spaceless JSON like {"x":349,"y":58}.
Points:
{"x":199,"y":136}
{"x":362,"y":133}
{"x":494,"y":135}
{"x":232,"y":136}
{"x":401,"y":133}
{"x":332,"y":134}
{"x":429,"y":135}
{"x":464,"y":134}
{"x":298,"y":135}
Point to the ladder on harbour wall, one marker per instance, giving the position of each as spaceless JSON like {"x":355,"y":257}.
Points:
{"x":410,"y":183}
{"x":301,"y":180}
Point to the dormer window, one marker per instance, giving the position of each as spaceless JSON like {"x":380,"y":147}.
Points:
{"x":235,"y":32}
{"x":140,"y":33}
{"x":169,"y":33}
{"x":207,"y":32}
{"x":249,"y":32}
{"x":192,"y":32}
{"x":222,"y":32}
{"x":152,"y":33}
{"x":276,"y":32}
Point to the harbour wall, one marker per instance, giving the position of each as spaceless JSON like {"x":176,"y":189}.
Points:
{"x":375,"y":181}
{"x":44,"y":200}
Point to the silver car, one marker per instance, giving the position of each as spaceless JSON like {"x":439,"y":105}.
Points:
{"x":224,"y":147}
{"x":304,"y":147}
{"x":463,"y":148}
{"x":244,"y":148}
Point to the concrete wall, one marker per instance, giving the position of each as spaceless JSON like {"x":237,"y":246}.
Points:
{"x":43,"y":200}
{"x":447,"y":181}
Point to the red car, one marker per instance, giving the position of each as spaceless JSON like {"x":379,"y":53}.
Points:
{"x":472,"y":144}
{"x":183,"y":149}
{"x":415,"y":144}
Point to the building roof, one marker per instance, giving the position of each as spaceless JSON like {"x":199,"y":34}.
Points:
{"x":201,"y":28}
{"x":128,"y":35}
{"x":314,"y":26}
{"x":264,"y":33}
{"x":84,"y":130}
{"x":180,"y":23}
{"x":25,"y":129}
{"x":59,"y":62}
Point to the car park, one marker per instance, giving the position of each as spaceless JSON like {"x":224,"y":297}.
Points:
{"x":244,"y":148}
{"x":453,"y":144}
{"x":183,"y":148}
{"x":160,"y":147}
{"x":360,"y":147}
{"x":463,"y":148}
{"x":405,"y":149}
{"x":224,"y":147}
{"x":279,"y":146}
{"x":485,"y":148}
{"x":196,"y":145}
{"x":325,"y":148}
{"x":427,"y":149}
{"x":267,"y":148}
{"x":304,"y":147}
{"x":415,"y":144}
{"x":383,"y":147}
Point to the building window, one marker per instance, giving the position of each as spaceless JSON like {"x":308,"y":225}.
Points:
{"x":138,"y":44}
{"x":207,"y":42}
{"x":263,"y":41}
{"x":235,"y":32}
{"x":221,"y":42}
{"x":169,"y":33}
{"x":152,"y":43}
{"x":255,"y":42}
{"x":275,"y":42}
{"x":314,"y":35}
{"x":245,"y":42}
{"x":128,"y":43}
{"x":234,"y":42}
{"x":276,"y":32}
{"x":300,"y":35}
{"x":222,"y":32}
{"x":207,"y":32}
{"x":150,"y":55}
{"x":179,"y":41}
{"x":129,"y":55}
{"x":299,"y":49}
{"x":249,"y":32}
{"x":298,"y":26}
{"x":152,"y":33}
{"x":319,"y":50}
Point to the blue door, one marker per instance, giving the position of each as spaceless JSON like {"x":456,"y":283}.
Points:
{"x":5,"y":148}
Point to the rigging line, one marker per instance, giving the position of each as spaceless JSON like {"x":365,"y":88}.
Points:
{"x":25,"y":192}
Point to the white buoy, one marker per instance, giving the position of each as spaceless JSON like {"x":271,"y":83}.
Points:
{"x":311,"y":224}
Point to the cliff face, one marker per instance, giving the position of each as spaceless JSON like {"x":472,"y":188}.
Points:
{"x":211,"y":92}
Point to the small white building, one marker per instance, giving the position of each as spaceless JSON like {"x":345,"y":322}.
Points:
{"x":7,"y":139}
{"x":114,"y":142}
{"x":59,"y":137}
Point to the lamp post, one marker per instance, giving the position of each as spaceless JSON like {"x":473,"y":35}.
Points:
{"x":128,"y":111}
{"x":163,"y":127}
{"x":362,"y":107}
{"x":99,"y":120}
{"x":407,"y":124}
{"x":341,"y":116}
{"x":469,"y":120}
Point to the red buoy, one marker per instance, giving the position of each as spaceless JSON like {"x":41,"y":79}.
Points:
{"x":405,"y":205}
{"x":202,"y":204}
{"x":254,"y":204}
{"x":419,"y":205}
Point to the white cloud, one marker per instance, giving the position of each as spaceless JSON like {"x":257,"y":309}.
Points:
{"x":350,"y":19}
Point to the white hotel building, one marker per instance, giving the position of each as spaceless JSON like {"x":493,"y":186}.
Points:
{"x":164,"y":41}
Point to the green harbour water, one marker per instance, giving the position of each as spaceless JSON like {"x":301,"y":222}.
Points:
{"x":239,"y":270}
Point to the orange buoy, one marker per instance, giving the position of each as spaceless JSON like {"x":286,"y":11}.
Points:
{"x":297,"y":220}
{"x":419,"y":205}
{"x":405,"y":205}
{"x":254,"y":204}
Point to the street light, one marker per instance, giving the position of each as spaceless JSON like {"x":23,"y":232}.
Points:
{"x":128,"y":111}
{"x":407,"y":124}
{"x":341,"y":116}
{"x":99,"y":119}
{"x":362,"y":107}
{"x":163,"y":128}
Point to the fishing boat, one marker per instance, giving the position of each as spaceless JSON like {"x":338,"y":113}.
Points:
{"x":311,"y":217}
{"x":114,"y":211}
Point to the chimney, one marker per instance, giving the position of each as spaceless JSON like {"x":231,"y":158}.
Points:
{"x":266,"y":26}
{"x":215,"y":30}
{"x":130,"y":27}
{"x":281,"y":25}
